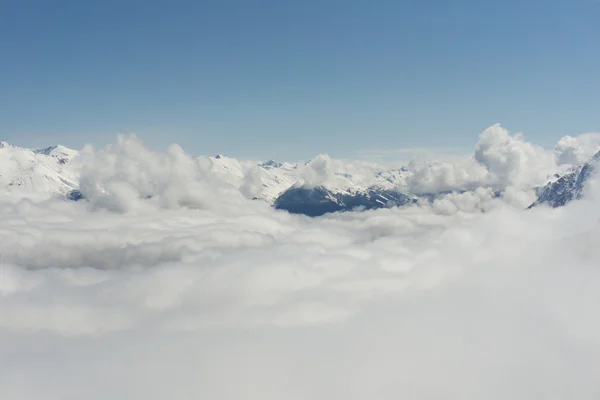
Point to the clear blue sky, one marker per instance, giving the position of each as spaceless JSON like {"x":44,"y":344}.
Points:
{"x":250,"y":78}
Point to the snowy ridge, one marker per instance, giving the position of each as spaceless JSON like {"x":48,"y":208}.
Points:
{"x":37,"y":171}
{"x":274,"y":178}
{"x":56,"y":170}
{"x":320,"y":200}
{"x":568,"y":186}
{"x":127,"y":174}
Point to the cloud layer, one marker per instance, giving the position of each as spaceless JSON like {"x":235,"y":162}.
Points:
{"x":199,"y":292}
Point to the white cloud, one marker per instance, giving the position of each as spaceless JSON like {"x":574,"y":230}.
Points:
{"x":344,"y":173}
{"x":577,"y":150}
{"x":318,"y":171}
{"x":252,"y":182}
{"x":202,"y":293}
{"x":510,"y":160}
{"x":128,"y":176}
{"x":500,"y":160}
{"x":438,"y":176}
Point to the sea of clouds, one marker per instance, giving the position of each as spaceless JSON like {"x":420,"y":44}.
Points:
{"x":169,"y":283}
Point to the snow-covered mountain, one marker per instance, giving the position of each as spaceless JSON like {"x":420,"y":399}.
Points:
{"x":313,"y":188}
{"x":318,"y":186}
{"x":56,"y":170}
{"x":316,"y":201}
{"x":272,"y":179}
{"x":263,"y":180}
{"x":48,"y":170}
{"x":568,"y":186}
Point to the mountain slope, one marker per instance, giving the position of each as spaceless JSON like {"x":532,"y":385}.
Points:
{"x":569,"y":186}
{"x":317,"y":201}
{"x":313,"y":188}
{"x":271,"y":181}
{"x":267,"y":180}
{"x":37,"y":171}
{"x":53,"y":170}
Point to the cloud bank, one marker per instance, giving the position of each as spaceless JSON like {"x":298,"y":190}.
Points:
{"x":199,"y":292}
{"x":500,"y":161}
{"x":128,"y":176}
{"x":577,"y":150}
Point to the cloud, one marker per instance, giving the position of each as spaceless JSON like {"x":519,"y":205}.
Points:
{"x":577,"y":150}
{"x":318,"y":171}
{"x":252,"y":182}
{"x":467,"y":297}
{"x":500,"y":160}
{"x":439,"y":176}
{"x":510,"y":160}
{"x":343,"y":173}
{"x":127,"y":176}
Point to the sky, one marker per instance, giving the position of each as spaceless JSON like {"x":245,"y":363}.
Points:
{"x":289,"y":80}
{"x":168,"y":281}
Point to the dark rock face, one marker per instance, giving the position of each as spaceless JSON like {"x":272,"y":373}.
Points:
{"x":558,"y":193}
{"x":568,"y":187}
{"x":320,"y":200}
{"x":271,"y":164}
{"x":75,"y":195}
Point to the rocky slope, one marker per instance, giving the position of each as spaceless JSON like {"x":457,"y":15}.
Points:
{"x":569,"y":186}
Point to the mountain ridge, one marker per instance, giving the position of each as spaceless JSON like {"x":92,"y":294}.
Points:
{"x":37,"y":170}
{"x":315,"y":187}
{"x":569,"y":186}
{"x":51,"y":170}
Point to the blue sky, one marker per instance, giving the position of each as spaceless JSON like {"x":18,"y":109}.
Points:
{"x":288,"y":80}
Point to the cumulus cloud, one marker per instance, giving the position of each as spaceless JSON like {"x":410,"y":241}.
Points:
{"x":510,"y":160}
{"x":500,"y":160}
{"x":252,"y":182}
{"x":318,"y":171}
{"x":343,"y":173}
{"x":577,"y":150}
{"x":128,"y":176}
{"x":440,"y":176}
{"x":465,"y":297}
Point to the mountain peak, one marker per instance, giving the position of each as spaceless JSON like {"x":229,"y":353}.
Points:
{"x":47,"y":150}
{"x":54,"y":149}
{"x":567,"y":187}
{"x":28,"y":170}
{"x":271,"y":164}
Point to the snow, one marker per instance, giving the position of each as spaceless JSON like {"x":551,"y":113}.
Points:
{"x":277,"y":177}
{"x":31,"y":171}
{"x":568,"y":184}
